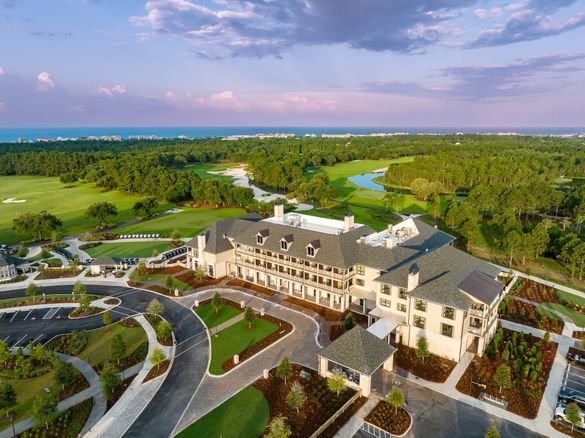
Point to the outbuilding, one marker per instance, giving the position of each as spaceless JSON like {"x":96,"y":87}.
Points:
{"x":102,"y":265}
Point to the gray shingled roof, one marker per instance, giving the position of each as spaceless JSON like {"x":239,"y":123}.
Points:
{"x":8,"y":261}
{"x":359,"y":350}
{"x":106,"y":261}
{"x":440,"y":273}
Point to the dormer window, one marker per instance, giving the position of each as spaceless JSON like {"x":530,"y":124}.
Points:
{"x":259,"y":239}
{"x":313,"y":247}
{"x":284,"y":245}
{"x":286,"y":242}
{"x":261,"y":236}
{"x":310,"y":251}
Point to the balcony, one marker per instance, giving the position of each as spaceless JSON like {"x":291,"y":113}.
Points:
{"x":476,"y":329}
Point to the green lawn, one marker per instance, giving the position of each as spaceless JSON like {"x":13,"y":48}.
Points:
{"x":68,"y":204}
{"x":207,"y":314}
{"x":26,"y":391}
{"x":235,"y":339}
{"x":177,"y":284}
{"x":98,"y":344}
{"x":189,"y":222}
{"x":374,"y":217}
{"x":245,"y":415}
{"x":577,"y":317}
{"x":571,"y":298}
{"x":203,"y":169}
{"x":128,"y":249}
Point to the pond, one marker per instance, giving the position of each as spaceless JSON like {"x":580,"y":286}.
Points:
{"x":366,"y":181}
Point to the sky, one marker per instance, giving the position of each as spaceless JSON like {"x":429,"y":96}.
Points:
{"x":453,"y":63}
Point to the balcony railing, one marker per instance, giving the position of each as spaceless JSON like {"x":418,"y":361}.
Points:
{"x":476,"y":329}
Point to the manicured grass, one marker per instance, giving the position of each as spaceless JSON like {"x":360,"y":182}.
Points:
{"x":128,"y":249}
{"x":242,"y":416}
{"x":577,"y":317}
{"x":26,"y":391}
{"x":203,"y":169}
{"x":376,"y":218}
{"x":235,"y":339}
{"x":570,"y":298}
{"x":189,"y":222}
{"x":68,"y":204}
{"x":207,"y":314}
{"x":177,"y":284}
{"x":99,"y":341}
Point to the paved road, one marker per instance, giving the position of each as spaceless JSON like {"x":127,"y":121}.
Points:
{"x":191,"y":358}
{"x":437,"y":415}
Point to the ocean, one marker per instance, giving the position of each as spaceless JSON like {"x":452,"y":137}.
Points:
{"x":12,"y":134}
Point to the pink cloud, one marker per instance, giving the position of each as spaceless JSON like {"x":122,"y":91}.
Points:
{"x":223,"y":100}
{"x":44,"y":81}
{"x":116,"y":89}
{"x":3,"y":107}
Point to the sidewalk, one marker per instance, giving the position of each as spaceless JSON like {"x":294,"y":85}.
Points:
{"x":354,"y":424}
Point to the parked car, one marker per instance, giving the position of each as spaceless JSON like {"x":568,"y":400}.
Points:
{"x":567,"y":396}
{"x":577,"y":358}
{"x":561,"y":415}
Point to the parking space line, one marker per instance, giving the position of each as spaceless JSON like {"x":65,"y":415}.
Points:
{"x":5,"y":339}
{"x":28,"y":314}
{"x":52,"y":311}
{"x":37,"y":338}
{"x":19,"y":341}
{"x":14,"y":316}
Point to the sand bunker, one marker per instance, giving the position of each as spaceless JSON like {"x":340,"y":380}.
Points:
{"x":13,"y":201}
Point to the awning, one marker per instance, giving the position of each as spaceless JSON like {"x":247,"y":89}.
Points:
{"x":386,"y":324}
{"x":362,"y":293}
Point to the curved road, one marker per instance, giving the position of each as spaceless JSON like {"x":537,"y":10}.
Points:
{"x":191,"y":355}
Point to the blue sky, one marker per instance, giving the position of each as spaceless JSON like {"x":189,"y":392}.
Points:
{"x":292,"y":62}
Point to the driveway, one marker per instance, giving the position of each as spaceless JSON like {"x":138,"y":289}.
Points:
{"x":192,"y":353}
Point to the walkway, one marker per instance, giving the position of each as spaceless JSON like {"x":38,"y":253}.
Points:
{"x":354,"y":424}
{"x":300,"y":346}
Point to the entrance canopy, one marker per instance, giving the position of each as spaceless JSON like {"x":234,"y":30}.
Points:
{"x":386,"y":323}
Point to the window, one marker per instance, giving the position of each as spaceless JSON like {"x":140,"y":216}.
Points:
{"x":448,"y":312}
{"x":401,"y":307}
{"x":260,"y":240}
{"x":283,"y":245}
{"x":386,"y":289}
{"x":360,"y":270}
{"x":420,"y":305}
{"x":402,"y":293}
{"x":360,"y":282}
{"x":384,"y":302}
{"x":310,"y":251}
{"x":447,"y":330}
{"x":420,"y":321}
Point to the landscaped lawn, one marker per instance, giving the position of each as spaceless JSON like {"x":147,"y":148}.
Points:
{"x":577,"y":317}
{"x":378,"y":219}
{"x":68,"y":204}
{"x":207,"y":314}
{"x":244,"y":415}
{"x":177,"y":284}
{"x":26,"y":391}
{"x":203,"y":169}
{"x":98,"y":343}
{"x":235,"y":339}
{"x":128,"y":249}
{"x":189,"y":222}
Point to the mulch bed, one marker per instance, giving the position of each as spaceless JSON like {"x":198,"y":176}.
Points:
{"x":524,"y":396}
{"x":256,"y":288}
{"x":170,"y":270}
{"x":129,"y":322}
{"x":154,"y":321}
{"x":540,"y":293}
{"x":325,"y":312}
{"x":137,"y":356}
{"x":8,"y":368}
{"x":118,"y":392}
{"x":388,"y":418}
{"x":157,"y":371}
{"x":575,"y":433}
{"x":48,"y":274}
{"x":285,"y":328}
{"x":321,"y":403}
{"x":111,"y":301}
{"x":336,"y":426}
{"x":528,"y":314}
{"x":162,"y":290}
{"x":67,"y":424}
{"x":578,"y":334}
{"x":91,"y":310}
{"x":434,"y":369}
{"x":188,"y":277}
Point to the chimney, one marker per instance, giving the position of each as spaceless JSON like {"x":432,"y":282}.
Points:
{"x":348,"y":221}
{"x":278,"y":210}
{"x":363,"y":239}
{"x":201,"y":243}
{"x":412,"y":277}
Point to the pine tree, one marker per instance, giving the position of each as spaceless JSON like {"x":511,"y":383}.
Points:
{"x":284,"y":369}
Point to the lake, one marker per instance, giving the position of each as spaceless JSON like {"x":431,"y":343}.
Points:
{"x":366,"y":181}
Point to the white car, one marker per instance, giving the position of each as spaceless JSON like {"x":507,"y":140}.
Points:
{"x":561,"y":414}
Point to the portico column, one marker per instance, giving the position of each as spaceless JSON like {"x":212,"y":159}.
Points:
{"x":318,"y":296}
{"x":331,"y":299}
{"x":364,"y":307}
{"x":303,"y":294}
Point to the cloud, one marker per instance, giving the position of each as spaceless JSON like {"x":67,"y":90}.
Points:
{"x":3,"y":107}
{"x":111,"y":91}
{"x":485,"y":14}
{"x":490,"y":82}
{"x":44,"y":81}
{"x":260,"y":28}
{"x":223,"y":100}
{"x":1,"y":70}
{"x":8,"y":4}
{"x":51,"y":35}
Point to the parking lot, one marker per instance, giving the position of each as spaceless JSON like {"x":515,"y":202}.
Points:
{"x":574,"y":378}
{"x":23,"y":339}
{"x":572,"y":390}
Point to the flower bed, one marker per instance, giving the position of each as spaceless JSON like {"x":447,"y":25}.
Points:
{"x":157,"y":371}
{"x":321,"y":403}
{"x":578,"y":334}
{"x":67,"y":424}
{"x":530,"y":360}
{"x":325,"y":312}
{"x":284,"y":329}
{"x":88,"y":311}
{"x":529,"y":314}
{"x":16,"y":279}
{"x":251,"y":286}
{"x":397,"y":422}
{"x":434,"y":368}
{"x":48,"y":274}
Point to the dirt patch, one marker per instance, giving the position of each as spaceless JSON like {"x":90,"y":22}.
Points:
{"x":284,"y":329}
{"x":157,"y":371}
{"x":188,"y":277}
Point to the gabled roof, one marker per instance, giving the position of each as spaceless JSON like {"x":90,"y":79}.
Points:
{"x":481,"y":286}
{"x":9,"y":261}
{"x":288,"y":238}
{"x":264,"y":233}
{"x":440,"y":274}
{"x":106,"y":261}
{"x":359,"y":350}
